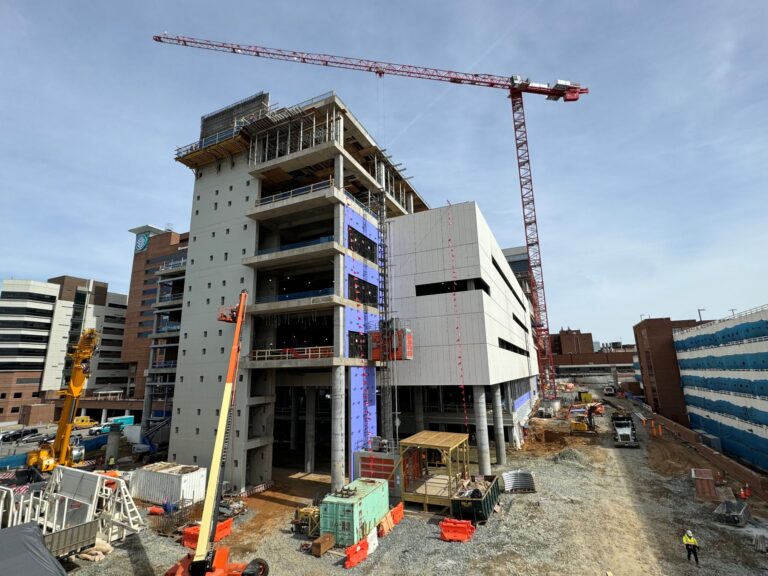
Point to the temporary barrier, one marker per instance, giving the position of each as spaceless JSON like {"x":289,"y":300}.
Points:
{"x":192,"y":533}
{"x":397,"y":513}
{"x":456,"y":530}
{"x":356,"y":553}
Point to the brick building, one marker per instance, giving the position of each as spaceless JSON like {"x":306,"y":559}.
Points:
{"x":658,"y":366}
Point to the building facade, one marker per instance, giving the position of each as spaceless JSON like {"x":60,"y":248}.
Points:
{"x":471,"y":328}
{"x":153,"y":319}
{"x":724,"y":372}
{"x":286,"y":205}
{"x":658,"y":366}
{"x":26,"y":311}
{"x":40,"y":322}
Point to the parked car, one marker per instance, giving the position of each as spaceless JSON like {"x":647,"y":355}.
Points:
{"x":16,"y":435}
{"x":29,"y":438}
{"x":95,"y":431}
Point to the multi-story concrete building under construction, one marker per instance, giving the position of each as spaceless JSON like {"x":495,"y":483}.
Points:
{"x":724,"y":373}
{"x":292,"y":205}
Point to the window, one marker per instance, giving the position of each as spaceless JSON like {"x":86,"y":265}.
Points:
{"x":506,"y":281}
{"x":201,"y":378}
{"x":358,"y":345}
{"x":247,"y":182}
{"x":362,"y":245}
{"x":242,"y":280}
{"x":14,"y":409}
{"x":229,"y":202}
{"x":197,"y":212}
{"x":17,"y":394}
{"x":205,"y":333}
{"x":194,"y":459}
{"x":189,"y":288}
{"x":216,"y":193}
{"x":192,"y":262}
{"x":245,"y":226}
{"x":209,"y":285}
{"x":203,"y":351}
{"x":230,"y":188}
{"x":2,"y":395}
{"x":247,"y":198}
{"x":504,"y":345}
{"x":198,"y":197}
{"x":226,"y":257}
{"x":220,"y":374}
{"x":197,"y":431}
{"x":210,"y":258}
{"x":215,"y":205}
{"x":226,"y":231}
{"x":243,"y":251}
{"x":222,"y":349}
{"x":220,"y":332}
{"x":207,"y":300}
{"x":222,"y":301}
{"x":362,"y":291}
{"x":178,"y":411}
{"x":36,"y":394}
{"x":452,"y":286}
{"x":223,"y":282}
{"x":177,"y":429}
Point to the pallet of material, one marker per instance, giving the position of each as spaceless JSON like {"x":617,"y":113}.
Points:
{"x":322,"y":544}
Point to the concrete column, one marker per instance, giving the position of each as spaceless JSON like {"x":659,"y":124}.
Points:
{"x":409,"y":201}
{"x":418,"y":407}
{"x":481,"y":431}
{"x":309,"y":429}
{"x":338,"y":423}
{"x":440,"y":399}
{"x":387,"y":426}
{"x":103,"y":415}
{"x":294,"y":418}
{"x":498,"y":425}
{"x":338,"y":171}
{"x":82,"y":411}
{"x":146,"y":411}
{"x":127,"y":412}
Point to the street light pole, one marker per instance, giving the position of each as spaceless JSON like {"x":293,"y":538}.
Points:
{"x":733,"y":311}
{"x":700,"y":311}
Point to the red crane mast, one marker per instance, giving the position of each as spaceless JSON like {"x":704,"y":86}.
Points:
{"x":516,"y":86}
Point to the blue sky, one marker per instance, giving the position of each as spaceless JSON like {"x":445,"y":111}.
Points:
{"x":650,"y":191}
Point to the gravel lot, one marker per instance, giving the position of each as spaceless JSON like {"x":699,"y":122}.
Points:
{"x":596,"y":509}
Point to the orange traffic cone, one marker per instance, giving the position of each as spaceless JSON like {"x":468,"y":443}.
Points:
{"x":747,"y":491}
{"x":742,"y":494}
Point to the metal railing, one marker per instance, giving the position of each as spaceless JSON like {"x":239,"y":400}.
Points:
{"x":172,"y":264}
{"x":308,"y":353}
{"x":169,"y":327}
{"x":165,"y":364}
{"x":720,"y":320}
{"x":293,"y":296}
{"x":361,"y":205}
{"x":301,"y":191}
{"x":170,"y":297}
{"x":282,"y":247}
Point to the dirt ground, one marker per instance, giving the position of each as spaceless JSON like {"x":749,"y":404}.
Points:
{"x":597,"y":509}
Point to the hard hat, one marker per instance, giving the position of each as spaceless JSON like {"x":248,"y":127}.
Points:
{"x":689,"y":533}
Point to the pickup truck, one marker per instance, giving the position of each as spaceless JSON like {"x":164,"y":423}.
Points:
{"x":104,"y":429}
{"x":624,"y":433}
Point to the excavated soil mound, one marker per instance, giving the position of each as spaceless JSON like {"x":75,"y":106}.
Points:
{"x":571,"y":456}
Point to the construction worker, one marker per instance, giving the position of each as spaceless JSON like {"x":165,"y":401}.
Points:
{"x":691,"y":546}
{"x":111,"y":462}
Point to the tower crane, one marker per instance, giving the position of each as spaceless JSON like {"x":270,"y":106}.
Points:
{"x":515,"y":86}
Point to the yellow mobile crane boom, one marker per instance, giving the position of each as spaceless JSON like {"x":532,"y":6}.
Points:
{"x":49,"y":455}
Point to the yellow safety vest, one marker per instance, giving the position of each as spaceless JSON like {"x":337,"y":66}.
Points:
{"x":690,"y":540}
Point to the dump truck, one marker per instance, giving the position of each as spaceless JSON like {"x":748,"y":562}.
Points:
{"x":624,"y":433}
